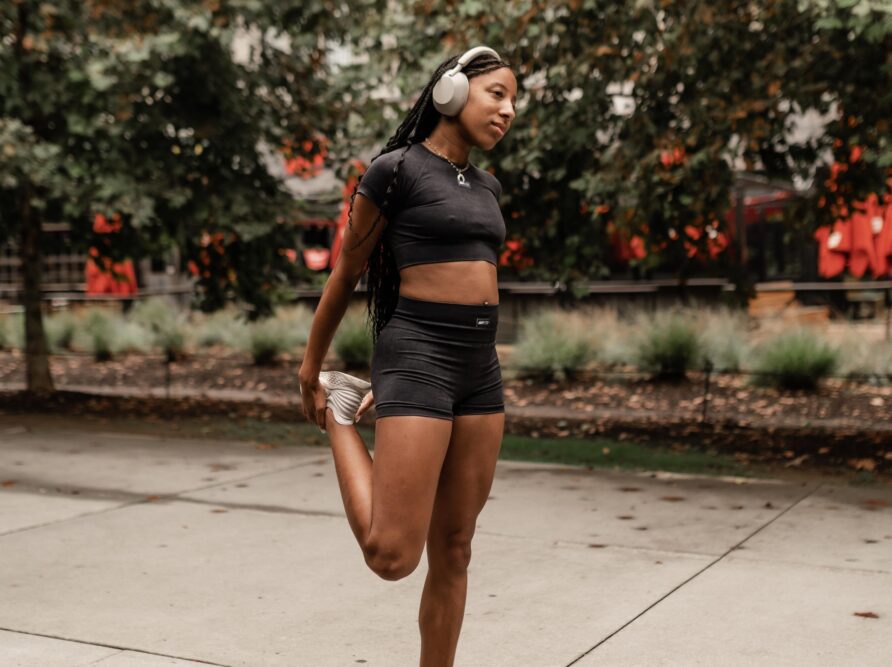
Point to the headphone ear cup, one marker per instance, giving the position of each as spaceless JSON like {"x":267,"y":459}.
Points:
{"x":451,"y":93}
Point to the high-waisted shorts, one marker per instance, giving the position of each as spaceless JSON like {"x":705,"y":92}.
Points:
{"x":437,"y":359}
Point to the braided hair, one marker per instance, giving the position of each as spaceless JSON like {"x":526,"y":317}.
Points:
{"x":383,"y":276}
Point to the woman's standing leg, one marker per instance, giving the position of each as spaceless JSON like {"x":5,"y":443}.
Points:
{"x":464,"y":485}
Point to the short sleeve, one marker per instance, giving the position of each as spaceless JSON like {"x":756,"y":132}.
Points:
{"x":495,"y":185}
{"x":378,"y":177}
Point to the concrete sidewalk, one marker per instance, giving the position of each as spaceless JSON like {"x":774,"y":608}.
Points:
{"x":129,"y":550}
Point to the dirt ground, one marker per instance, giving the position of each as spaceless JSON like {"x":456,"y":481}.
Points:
{"x":730,"y":396}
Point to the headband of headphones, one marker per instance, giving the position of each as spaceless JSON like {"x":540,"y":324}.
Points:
{"x":451,"y":91}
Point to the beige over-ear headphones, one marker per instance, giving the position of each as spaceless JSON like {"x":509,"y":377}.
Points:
{"x":451,"y":91}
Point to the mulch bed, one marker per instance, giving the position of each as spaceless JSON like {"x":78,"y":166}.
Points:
{"x":842,"y":422}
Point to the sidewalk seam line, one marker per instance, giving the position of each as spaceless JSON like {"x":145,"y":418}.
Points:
{"x":120,"y":648}
{"x":696,"y":574}
{"x":143,"y":500}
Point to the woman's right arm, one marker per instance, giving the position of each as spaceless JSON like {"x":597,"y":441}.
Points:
{"x":335,"y":299}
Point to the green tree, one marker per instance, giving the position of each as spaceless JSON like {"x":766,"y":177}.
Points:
{"x":636,"y":114}
{"x":164,"y":113}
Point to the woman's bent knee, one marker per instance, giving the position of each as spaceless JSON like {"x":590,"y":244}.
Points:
{"x":389,"y":563}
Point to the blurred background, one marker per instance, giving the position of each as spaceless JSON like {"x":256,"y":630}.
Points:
{"x":688,"y":188}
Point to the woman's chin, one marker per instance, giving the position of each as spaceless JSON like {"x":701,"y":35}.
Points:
{"x":488,"y":143}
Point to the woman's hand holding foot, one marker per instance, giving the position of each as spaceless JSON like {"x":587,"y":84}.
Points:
{"x":367,"y":401}
{"x":313,"y":398}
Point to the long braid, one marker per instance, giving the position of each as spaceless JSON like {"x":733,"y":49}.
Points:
{"x":383,"y":276}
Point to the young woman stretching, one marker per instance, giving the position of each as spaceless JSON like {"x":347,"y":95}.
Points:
{"x":435,"y":378}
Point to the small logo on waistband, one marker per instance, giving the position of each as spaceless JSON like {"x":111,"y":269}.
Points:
{"x":482,"y":321}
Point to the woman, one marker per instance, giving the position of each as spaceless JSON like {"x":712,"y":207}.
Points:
{"x":433,"y":303}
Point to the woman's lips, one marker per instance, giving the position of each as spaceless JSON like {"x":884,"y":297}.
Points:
{"x":499,"y":128}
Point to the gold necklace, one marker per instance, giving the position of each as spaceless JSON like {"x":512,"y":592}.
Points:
{"x":462,"y":181}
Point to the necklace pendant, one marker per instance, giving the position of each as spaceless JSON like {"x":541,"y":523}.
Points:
{"x":462,"y":181}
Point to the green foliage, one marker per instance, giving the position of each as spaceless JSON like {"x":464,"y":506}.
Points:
{"x":172,"y":342}
{"x":794,"y":359}
{"x":352,"y":343}
{"x":166,"y":322}
{"x":98,"y":334}
{"x":171,"y":115}
{"x":551,"y":340}
{"x":666,"y":343}
{"x":606,"y":333}
{"x":60,"y":330}
{"x":296,"y":321}
{"x":631,"y":114}
{"x":223,"y":327}
{"x":861,"y":356}
{"x":267,"y":340}
{"x":723,"y":336}
{"x":133,"y":337}
{"x":870,"y":19}
{"x":12,"y":331}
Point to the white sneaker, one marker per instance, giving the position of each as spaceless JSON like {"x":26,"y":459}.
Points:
{"x":345,"y":393}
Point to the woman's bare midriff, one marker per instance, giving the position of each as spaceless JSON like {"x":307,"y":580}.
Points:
{"x":470,"y":282}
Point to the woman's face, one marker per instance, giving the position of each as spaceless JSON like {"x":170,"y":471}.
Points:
{"x":490,"y":109}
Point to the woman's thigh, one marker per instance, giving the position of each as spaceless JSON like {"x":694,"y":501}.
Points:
{"x":409,"y":454}
{"x":464,"y":485}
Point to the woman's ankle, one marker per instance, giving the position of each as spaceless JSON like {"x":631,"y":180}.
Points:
{"x":332,"y":424}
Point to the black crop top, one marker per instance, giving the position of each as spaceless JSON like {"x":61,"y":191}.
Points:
{"x":431,"y":218}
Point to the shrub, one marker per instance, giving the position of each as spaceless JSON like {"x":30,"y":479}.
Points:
{"x":223,"y":327}
{"x":605,"y":332}
{"x":98,"y":334}
{"x":172,"y":341}
{"x":166,"y":322}
{"x":723,"y":336}
{"x":353,"y":343}
{"x":132,"y":337}
{"x":551,"y":340}
{"x":296,"y":322}
{"x":12,"y":331}
{"x":665,"y":343}
{"x":794,"y":359}
{"x":860,"y":355}
{"x":266,"y":341}
{"x":154,"y":313}
{"x":60,"y":330}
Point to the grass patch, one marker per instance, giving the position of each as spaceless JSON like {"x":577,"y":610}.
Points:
{"x":623,"y":455}
{"x":618,"y":454}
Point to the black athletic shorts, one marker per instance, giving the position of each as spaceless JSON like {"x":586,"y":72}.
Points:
{"x":438,"y":359}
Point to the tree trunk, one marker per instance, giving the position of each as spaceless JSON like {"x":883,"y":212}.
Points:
{"x":37,"y":361}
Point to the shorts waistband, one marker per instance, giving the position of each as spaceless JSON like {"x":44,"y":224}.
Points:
{"x":484,"y":316}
